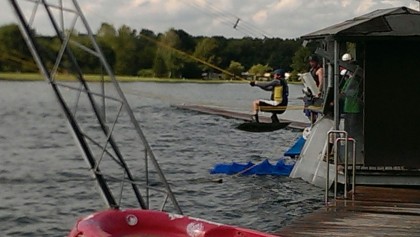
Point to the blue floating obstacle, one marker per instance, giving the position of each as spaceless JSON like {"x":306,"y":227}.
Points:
{"x":283,"y":167}
{"x":296,"y":148}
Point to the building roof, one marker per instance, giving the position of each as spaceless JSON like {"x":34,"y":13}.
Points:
{"x":400,"y":22}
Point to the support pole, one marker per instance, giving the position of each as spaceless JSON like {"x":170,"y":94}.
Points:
{"x":336,"y":88}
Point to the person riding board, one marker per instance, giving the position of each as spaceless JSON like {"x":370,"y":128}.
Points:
{"x":279,"y":95}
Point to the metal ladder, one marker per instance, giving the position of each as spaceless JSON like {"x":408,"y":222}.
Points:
{"x":340,"y":136}
{"x":95,"y":131}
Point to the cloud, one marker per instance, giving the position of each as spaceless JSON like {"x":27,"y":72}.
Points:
{"x":365,"y":6}
{"x":260,"y":17}
{"x":281,"y":18}
{"x":345,"y":3}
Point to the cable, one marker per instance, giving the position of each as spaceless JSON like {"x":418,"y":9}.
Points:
{"x":223,"y":19}
{"x":250,"y":27}
{"x":182,"y":53}
{"x":229,"y":19}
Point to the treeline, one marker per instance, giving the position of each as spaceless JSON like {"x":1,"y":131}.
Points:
{"x":174,"y":54}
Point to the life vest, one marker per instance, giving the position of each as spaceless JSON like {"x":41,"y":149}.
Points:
{"x":278,"y":94}
{"x":313,"y":74}
{"x":281,"y":92}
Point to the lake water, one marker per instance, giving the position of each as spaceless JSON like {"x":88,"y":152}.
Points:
{"x":45,"y":185}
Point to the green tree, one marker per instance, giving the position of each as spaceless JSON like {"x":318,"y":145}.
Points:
{"x":126,"y":51}
{"x":173,"y":61}
{"x":107,"y":32}
{"x":159,"y":67}
{"x":235,"y":68}
{"x":259,"y":69}
{"x":107,"y":40}
{"x":13,"y":49}
{"x":206,"y":50}
{"x":299,"y":60}
{"x":146,"y":50}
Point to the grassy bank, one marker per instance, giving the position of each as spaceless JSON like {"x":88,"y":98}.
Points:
{"x":11,"y":76}
{"x":98,"y":78}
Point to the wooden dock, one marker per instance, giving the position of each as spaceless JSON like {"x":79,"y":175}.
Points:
{"x":375,"y":211}
{"x":238,"y":115}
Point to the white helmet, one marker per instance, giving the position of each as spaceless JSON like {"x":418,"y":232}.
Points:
{"x":346,"y":57}
{"x":343,"y":72}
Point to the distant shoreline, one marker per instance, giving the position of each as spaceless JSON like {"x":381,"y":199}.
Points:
{"x":22,"y":77}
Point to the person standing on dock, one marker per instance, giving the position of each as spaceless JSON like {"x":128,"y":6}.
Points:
{"x":279,"y":95}
{"x":317,"y":73}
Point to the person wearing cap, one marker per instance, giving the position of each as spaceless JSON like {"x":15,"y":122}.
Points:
{"x":279,"y":95}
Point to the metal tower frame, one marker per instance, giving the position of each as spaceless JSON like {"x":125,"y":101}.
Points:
{"x":94,"y":150}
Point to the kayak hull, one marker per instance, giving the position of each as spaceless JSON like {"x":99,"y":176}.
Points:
{"x":148,"y":223}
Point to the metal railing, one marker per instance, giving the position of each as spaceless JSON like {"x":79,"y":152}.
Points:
{"x":339,"y":136}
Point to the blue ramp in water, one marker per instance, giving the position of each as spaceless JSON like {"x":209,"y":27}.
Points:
{"x":296,"y":148}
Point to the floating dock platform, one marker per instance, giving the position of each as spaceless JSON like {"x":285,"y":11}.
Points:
{"x":375,"y":211}
{"x":238,"y":115}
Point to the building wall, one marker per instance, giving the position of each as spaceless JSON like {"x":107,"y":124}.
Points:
{"x":392,"y":103}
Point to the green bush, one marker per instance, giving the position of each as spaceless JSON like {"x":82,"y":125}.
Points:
{"x":146,"y":73}
{"x":294,"y":76}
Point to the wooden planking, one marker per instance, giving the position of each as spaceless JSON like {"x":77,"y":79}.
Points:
{"x":375,"y":212}
{"x":388,"y":194}
{"x":238,"y":115}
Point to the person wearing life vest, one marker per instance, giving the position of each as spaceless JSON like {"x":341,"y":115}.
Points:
{"x":279,"y":95}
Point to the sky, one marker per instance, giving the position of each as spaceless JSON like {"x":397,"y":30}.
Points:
{"x":258,"y":18}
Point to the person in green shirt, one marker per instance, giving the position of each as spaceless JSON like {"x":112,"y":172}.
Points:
{"x":350,"y":92}
{"x":353,"y":111}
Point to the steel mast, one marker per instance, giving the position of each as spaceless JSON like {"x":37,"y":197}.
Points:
{"x":93,"y":134}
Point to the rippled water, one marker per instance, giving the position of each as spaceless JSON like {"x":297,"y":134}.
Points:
{"x":45,"y":186}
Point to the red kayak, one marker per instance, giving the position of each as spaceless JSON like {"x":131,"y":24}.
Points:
{"x":148,"y":223}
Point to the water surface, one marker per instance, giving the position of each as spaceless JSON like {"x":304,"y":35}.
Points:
{"x":45,"y":185}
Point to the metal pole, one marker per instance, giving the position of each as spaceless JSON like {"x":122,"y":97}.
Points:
{"x":146,"y":167}
{"x":103,"y":93}
{"x":336,"y":166}
{"x":330,"y":75}
{"x":353,"y":182}
{"x":345,"y":168}
{"x":336,"y":88}
{"x":129,"y":111}
{"x":62,"y":16}
{"x":76,"y":69}
{"x":327,"y":179}
{"x":78,"y":135}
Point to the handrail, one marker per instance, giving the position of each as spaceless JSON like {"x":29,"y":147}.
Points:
{"x":327,"y":179}
{"x":346,"y":140}
{"x":353,"y":141}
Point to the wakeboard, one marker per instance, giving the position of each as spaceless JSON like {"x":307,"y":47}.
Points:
{"x":261,"y":127}
{"x":309,"y":83}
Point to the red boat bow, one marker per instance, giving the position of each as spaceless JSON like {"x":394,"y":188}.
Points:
{"x":148,"y":223}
